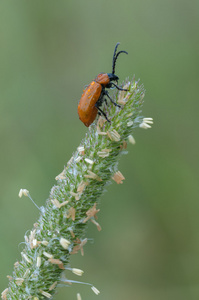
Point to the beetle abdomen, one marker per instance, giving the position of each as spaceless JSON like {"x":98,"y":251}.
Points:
{"x":86,"y":109}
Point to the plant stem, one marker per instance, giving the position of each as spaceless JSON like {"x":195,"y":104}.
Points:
{"x":61,"y":229}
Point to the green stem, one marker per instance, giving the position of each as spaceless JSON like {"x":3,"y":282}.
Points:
{"x":61,"y":228}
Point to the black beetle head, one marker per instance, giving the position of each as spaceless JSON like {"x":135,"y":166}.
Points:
{"x":113,"y":77}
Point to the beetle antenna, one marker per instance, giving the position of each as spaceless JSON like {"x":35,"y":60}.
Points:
{"x":115,"y":56}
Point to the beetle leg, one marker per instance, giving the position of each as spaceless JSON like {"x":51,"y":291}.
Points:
{"x":105,"y":100}
{"x":101,"y":112}
{"x":119,"y":88}
{"x":107,"y":94}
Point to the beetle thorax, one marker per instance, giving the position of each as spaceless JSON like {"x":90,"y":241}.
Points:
{"x":102,"y":78}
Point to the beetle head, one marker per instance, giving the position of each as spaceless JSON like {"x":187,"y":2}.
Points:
{"x":113,"y":77}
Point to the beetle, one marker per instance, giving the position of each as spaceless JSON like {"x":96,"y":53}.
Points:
{"x":94,"y":94}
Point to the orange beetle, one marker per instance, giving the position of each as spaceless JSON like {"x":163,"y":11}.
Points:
{"x":94,"y":94}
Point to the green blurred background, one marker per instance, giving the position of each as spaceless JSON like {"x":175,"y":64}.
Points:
{"x":149,"y":246}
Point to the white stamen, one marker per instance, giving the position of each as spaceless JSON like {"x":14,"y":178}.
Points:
{"x":148,"y":120}
{"x":92,"y":175}
{"x":89,"y":161}
{"x":26,"y":273}
{"x":102,"y":133}
{"x":129,"y":123}
{"x":34,"y":243}
{"x":27,"y":194}
{"x":102,"y":154}
{"x":76,"y":271}
{"x":114,"y":135}
{"x":4,"y":293}
{"x":45,"y":243}
{"x":131,"y":139}
{"x":80,"y":149}
{"x":53,"y":286}
{"x":23,"y":192}
{"x":95,"y":290}
{"x":26,"y":257}
{"x":47,"y":295}
{"x":64,"y":243}
{"x":38,"y":262}
{"x":145,"y":123}
{"x":49,"y":255}
{"x":79,"y":296}
{"x":19,"y":281}
{"x":78,"y":159}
